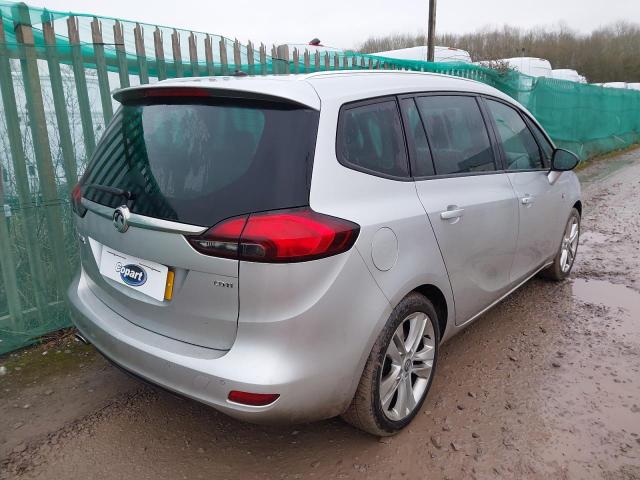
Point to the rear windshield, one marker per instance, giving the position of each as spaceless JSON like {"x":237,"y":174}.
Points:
{"x":199,"y":162}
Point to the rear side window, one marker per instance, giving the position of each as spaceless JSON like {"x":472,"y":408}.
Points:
{"x":519,"y":146}
{"x":457,"y":134}
{"x":199,"y":163}
{"x":370,"y":139}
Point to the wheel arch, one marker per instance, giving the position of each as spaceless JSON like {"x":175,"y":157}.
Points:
{"x":578,"y":206}
{"x":439,"y":301}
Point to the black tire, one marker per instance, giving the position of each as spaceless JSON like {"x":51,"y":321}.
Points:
{"x":365,"y":411}
{"x":555,"y":271}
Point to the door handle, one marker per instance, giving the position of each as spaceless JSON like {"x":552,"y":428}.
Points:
{"x":527,"y":199}
{"x":451,"y":213}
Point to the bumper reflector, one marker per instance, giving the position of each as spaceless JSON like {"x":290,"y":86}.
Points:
{"x":168,"y":289}
{"x":252,"y":399}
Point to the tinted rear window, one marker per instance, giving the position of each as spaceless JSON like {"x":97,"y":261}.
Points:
{"x":200,"y":162}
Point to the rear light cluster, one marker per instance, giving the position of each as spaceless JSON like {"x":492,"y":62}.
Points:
{"x":76,"y":201}
{"x":278,"y":237}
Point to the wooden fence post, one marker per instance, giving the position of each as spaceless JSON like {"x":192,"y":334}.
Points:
{"x":158,"y":46}
{"x":8,"y":267}
{"x":326,"y":60}
{"x":317,"y":61}
{"x":59,"y":102}
{"x":41,"y":147}
{"x":141,"y":54}
{"x":101,"y":68}
{"x":208,"y":55}
{"x":193,"y":55}
{"x":336,"y":61}
{"x":177,"y":53}
{"x":81,"y":87}
{"x":19,"y":162}
{"x":121,"y":55}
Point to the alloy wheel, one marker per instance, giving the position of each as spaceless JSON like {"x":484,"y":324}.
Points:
{"x":407,"y":367}
{"x":569,"y":244}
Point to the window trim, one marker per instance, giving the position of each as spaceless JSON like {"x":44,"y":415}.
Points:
{"x":525,"y":119}
{"x":492,"y":141}
{"x":362,"y":103}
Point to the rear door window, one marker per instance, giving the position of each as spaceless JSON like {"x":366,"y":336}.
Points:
{"x":200,"y":161}
{"x":370,"y":139}
{"x":422,"y":165}
{"x":457,"y":134}
{"x":519,"y":146}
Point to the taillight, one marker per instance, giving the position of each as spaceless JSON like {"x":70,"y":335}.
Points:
{"x":278,"y":237}
{"x":76,"y":201}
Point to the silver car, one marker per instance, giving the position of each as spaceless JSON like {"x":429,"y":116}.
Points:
{"x":287,"y":249}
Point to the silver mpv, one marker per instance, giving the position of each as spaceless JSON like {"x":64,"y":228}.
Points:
{"x":293,"y":248}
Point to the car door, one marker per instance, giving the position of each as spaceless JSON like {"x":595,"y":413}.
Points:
{"x":527,"y":170}
{"x":468,"y":200}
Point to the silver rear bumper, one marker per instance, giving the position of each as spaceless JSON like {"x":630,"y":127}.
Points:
{"x":265,"y":357}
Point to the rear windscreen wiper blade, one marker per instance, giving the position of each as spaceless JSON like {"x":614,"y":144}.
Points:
{"x":112,"y":190}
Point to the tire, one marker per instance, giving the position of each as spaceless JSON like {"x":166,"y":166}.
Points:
{"x":367,"y":411}
{"x":561,"y":268}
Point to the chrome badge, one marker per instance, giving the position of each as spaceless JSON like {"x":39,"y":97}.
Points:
{"x":121,"y":218}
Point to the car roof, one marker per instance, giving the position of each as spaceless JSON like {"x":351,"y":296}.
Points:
{"x":338,"y":86}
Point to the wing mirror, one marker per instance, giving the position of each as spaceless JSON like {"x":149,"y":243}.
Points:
{"x":563,"y":160}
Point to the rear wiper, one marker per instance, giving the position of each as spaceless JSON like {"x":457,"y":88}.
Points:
{"x":112,"y":190}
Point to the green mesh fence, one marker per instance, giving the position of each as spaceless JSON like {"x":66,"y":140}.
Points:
{"x":57,"y":71}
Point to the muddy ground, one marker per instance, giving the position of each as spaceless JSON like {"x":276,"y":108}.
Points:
{"x":546,"y":385}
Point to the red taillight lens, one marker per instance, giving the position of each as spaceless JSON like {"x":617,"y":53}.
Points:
{"x":253,"y":399}
{"x":76,"y":201}
{"x":278,"y":237}
{"x":221,"y":240}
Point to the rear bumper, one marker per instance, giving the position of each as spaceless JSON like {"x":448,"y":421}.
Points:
{"x":265,"y":358}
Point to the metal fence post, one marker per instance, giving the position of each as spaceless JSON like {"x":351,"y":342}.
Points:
{"x":19,"y":161}
{"x":121,"y":55}
{"x":224,"y":64}
{"x":59,"y":102}
{"x":81,"y":87}
{"x":177,"y":53}
{"x":193,"y":55}
{"x":208,"y":55}
{"x":161,"y":68}
{"x":250,"y":58}
{"x":141,"y":54}
{"x":40,"y":137}
{"x":101,"y":69}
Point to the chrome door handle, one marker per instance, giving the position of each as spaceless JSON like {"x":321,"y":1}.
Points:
{"x":451,"y":214}
{"x":527,"y":200}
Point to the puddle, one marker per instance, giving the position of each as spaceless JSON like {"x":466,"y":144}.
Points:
{"x":608,"y":294}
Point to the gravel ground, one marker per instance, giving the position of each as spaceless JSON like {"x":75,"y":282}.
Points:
{"x":546,"y":385}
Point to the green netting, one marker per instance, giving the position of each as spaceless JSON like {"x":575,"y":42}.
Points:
{"x":56,"y":102}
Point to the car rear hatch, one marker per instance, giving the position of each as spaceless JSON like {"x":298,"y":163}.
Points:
{"x":175,"y":162}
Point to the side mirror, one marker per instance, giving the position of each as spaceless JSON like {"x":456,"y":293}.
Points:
{"x":563,"y":160}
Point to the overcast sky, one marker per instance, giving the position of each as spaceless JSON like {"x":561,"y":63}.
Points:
{"x":346,"y":23}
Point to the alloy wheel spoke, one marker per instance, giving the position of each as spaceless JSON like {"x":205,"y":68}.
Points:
{"x":423,"y":369}
{"x":410,"y":401}
{"x":416,"y":331}
{"x":389,"y":386}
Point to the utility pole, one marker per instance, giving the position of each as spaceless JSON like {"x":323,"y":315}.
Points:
{"x":431,"y":34}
